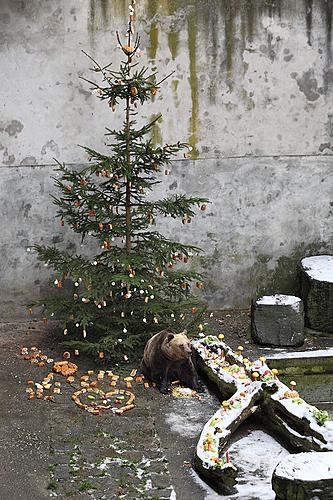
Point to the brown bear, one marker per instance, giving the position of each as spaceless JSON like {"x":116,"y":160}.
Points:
{"x":168,"y":356}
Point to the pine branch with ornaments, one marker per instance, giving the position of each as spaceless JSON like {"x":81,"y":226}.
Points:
{"x":139,"y":281}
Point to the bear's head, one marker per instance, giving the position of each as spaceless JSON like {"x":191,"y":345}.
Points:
{"x":177,"y":346}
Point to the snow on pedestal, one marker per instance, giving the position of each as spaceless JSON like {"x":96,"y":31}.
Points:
{"x":304,"y":476}
{"x":278,"y":320}
{"x":317,"y":291}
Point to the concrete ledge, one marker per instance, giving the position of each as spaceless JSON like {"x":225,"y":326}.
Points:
{"x":316,"y":361}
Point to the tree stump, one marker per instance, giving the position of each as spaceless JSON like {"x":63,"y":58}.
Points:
{"x":317,"y":291}
{"x":304,"y":476}
{"x":278,"y":320}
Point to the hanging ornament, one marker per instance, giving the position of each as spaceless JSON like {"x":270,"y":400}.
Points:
{"x":76,"y":352}
{"x":128,"y":49}
{"x":65,"y":331}
{"x":101,"y":354}
{"x":203,"y":207}
{"x":100,"y":226}
{"x":84,"y":333}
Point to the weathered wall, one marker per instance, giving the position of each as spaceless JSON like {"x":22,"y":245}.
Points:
{"x":251,"y":91}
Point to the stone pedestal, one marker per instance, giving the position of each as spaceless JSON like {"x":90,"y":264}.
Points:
{"x":278,"y":320}
{"x":304,"y":476}
{"x":317,"y":291}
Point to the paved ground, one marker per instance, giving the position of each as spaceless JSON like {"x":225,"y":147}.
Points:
{"x":57,"y":449}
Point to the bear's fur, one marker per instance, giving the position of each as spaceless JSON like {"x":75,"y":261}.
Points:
{"x":168,"y":356}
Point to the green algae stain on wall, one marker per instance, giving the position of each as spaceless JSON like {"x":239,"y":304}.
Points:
{"x":173,"y":42}
{"x":174,"y":87}
{"x":173,"y":35}
{"x":152,"y":7}
{"x":156,"y":134}
{"x":229,"y":34}
{"x":99,"y":15}
{"x":120,"y":9}
{"x":193,"y":81}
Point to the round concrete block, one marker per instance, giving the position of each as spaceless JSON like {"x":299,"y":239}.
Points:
{"x":304,"y":476}
{"x":317,"y":291}
{"x":278,"y":320}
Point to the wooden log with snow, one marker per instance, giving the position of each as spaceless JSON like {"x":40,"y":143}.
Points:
{"x":317,"y":291}
{"x":278,"y":320}
{"x":254,"y":387}
{"x":304,"y":476}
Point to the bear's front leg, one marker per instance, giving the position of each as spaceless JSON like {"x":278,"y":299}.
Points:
{"x":164,"y":386}
{"x":188,"y":375}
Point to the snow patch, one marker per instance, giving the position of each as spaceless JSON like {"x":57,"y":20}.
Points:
{"x":319,"y":353}
{"x":319,"y":267}
{"x":256,"y":456}
{"x":313,"y":466}
{"x":280,"y":300}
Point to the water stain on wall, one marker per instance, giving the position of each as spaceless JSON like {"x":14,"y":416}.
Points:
{"x":193,"y":80}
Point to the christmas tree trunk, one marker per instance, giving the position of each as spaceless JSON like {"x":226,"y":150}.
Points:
{"x":135,"y":284}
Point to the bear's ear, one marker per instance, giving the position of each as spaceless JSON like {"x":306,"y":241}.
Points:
{"x":184,"y":332}
{"x":170,"y":336}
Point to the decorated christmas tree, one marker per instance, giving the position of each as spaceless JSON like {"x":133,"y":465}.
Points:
{"x":137,"y":282}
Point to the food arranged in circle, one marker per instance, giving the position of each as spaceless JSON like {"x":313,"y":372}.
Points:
{"x":95,"y":400}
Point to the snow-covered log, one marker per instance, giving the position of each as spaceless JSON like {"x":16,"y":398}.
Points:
{"x":252,"y":386}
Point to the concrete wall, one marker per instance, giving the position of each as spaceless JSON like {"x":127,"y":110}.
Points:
{"x":251,"y":92}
